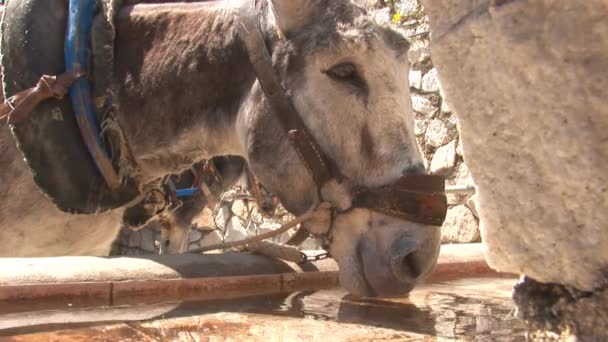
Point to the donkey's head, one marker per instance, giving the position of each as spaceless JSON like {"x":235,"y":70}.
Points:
{"x":348,"y":79}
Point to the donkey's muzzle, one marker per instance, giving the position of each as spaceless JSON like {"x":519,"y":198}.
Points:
{"x":393,"y":270}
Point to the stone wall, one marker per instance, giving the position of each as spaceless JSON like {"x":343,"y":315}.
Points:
{"x":436,"y":131}
{"x":233,"y":219}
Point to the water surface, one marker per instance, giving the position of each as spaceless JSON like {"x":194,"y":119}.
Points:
{"x":470,"y":310}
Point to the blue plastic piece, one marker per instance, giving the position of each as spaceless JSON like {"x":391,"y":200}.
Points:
{"x":185,"y":192}
{"x":77,"y":56}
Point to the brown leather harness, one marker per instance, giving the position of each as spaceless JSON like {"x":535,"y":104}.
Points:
{"x":416,"y":198}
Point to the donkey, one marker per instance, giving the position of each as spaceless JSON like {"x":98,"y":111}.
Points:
{"x":187,"y":92}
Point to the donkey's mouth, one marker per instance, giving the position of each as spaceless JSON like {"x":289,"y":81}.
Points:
{"x":375,"y":269}
{"x":368,"y":275}
{"x":353,"y":278}
{"x":366,"y":288}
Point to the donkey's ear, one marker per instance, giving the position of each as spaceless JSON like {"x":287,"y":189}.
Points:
{"x":291,"y":15}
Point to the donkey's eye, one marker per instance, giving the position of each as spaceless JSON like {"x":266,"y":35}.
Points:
{"x":343,"y":71}
{"x":347,"y":73}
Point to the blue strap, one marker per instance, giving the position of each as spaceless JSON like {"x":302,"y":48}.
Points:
{"x":186,"y":192}
{"x":77,"y":57}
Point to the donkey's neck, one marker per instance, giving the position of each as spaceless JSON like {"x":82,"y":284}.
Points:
{"x":182,"y":72}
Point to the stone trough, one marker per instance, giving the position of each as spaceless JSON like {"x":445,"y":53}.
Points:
{"x":39,"y":293}
{"x":55,"y":283}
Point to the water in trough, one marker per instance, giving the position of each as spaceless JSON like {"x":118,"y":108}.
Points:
{"x":475,"y":309}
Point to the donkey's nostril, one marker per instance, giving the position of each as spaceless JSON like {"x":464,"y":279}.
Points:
{"x":405,"y":263}
{"x":406,"y":268}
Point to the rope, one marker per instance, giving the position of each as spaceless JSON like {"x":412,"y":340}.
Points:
{"x":254,"y":239}
{"x":277,"y":251}
{"x":10,"y":105}
{"x":456,"y":189}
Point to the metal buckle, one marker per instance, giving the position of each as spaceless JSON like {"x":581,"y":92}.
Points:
{"x":310,"y":258}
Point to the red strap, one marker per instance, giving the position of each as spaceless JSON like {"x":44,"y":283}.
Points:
{"x":18,"y":107}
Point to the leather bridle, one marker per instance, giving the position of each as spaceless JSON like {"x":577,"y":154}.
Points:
{"x":416,"y":198}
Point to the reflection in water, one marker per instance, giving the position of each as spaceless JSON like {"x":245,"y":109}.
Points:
{"x":459,"y":317}
{"x":336,"y":305}
{"x":475,"y":309}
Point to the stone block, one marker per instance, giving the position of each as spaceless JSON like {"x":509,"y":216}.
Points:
{"x":529,"y":82}
{"x":444,"y":159}
{"x":460,"y":226}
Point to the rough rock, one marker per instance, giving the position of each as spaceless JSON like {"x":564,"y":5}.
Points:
{"x":437,"y":133}
{"x":430,"y":81}
{"x":224,"y":214}
{"x":472,"y":205}
{"x":134,"y":239}
{"x":423,"y":105}
{"x":204,"y":221}
{"x":310,"y":244}
{"x":267,"y":227}
{"x":195,"y":235}
{"x":211,"y":238}
{"x":460,"y":226}
{"x":459,"y":150}
{"x":529,"y":82}
{"x":420,"y":127}
{"x":554,"y":312}
{"x":382,"y":16}
{"x":148,"y":240}
{"x":460,"y":176}
{"x":456,"y":198}
{"x":240,"y":208}
{"x":409,"y":8}
{"x":444,"y":159}
{"x":445,"y":106}
{"x":416,"y":28}
{"x":415,"y":79}
{"x":235,"y":230}
{"x":256,"y":215}
{"x":419,"y":51}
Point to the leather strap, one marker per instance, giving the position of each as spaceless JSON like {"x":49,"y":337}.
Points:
{"x":19,"y":106}
{"x":307,"y":148}
{"x":416,"y":198}
{"x":299,"y":237}
{"x":266,"y":209}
